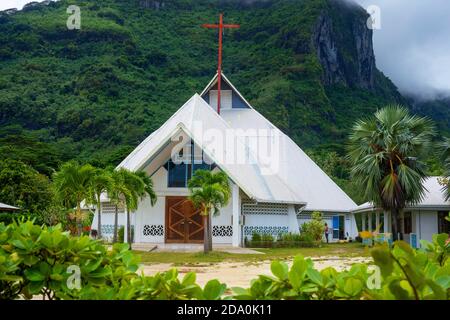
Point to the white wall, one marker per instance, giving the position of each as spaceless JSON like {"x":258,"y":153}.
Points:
{"x":265,"y":218}
{"x":426,"y":224}
{"x":108,"y":222}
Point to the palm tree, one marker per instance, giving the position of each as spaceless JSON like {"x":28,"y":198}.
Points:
{"x":71,"y":184}
{"x":209,"y":191}
{"x":385,"y":154}
{"x":139,"y":185}
{"x":136,"y":188}
{"x":117,"y":193}
{"x":445,"y":148}
{"x":148,"y":187}
{"x":99,"y":183}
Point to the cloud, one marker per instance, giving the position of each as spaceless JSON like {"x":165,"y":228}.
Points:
{"x":413,"y":45}
{"x":9,"y":4}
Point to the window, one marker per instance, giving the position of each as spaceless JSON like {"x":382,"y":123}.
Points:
{"x":179,"y":174}
{"x":407,"y":220}
{"x":443,"y":224}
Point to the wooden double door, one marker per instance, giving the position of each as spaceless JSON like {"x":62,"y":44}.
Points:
{"x":184,"y":223}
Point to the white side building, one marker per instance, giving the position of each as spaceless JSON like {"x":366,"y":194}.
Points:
{"x":415,"y":222}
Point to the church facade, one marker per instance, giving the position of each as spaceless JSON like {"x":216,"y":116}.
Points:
{"x":275,"y":185}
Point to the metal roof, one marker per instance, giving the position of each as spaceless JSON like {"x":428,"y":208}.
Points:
{"x":434,"y":198}
{"x":298,"y":179}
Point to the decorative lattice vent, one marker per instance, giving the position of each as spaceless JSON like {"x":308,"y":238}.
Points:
{"x":153,"y":230}
{"x":108,"y":207}
{"x":273,"y":230}
{"x":108,"y":228}
{"x":222,"y":231}
{"x":264,"y":208}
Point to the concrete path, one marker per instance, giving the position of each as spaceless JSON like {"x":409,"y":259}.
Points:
{"x":176,"y":247}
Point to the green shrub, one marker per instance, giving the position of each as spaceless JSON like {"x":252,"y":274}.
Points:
{"x":404,"y":274}
{"x":284,"y":240}
{"x":35,"y":260}
{"x":295,"y":240}
{"x":266,"y":237}
{"x":121,"y":234}
{"x":315,"y":228}
{"x":256,"y":236}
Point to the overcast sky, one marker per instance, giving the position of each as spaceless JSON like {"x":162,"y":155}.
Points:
{"x":412,"y":47}
{"x":8,"y":4}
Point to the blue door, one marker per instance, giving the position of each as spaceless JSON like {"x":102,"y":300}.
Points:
{"x":335,"y":227}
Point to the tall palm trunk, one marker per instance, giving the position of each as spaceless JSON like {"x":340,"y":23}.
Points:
{"x":99,"y":220}
{"x":206,"y":243}
{"x":128,"y":228}
{"x":116,"y":223}
{"x":210,"y":232}
{"x":394,"y":214}
{"x":205,"y":234}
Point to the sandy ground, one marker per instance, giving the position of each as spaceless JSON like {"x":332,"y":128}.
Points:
{"x":239,"y":274}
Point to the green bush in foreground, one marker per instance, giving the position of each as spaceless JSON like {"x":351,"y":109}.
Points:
{"x":45,"y":261}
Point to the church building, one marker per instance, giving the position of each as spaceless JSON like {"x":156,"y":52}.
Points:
{"x":275,"y":185}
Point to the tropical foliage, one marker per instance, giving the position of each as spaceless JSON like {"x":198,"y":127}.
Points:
{"x":72,"y":185}
{"x":24,"y":187}
{"x":387,"y":156}
{"x":445,"y":148}
{"x":209,"y":191}
{"x":128,"y":70}
{"x":404,"y":274}
{"x":99,"y":182}
{"x":46,"y":261}
{"x":315,"y":228}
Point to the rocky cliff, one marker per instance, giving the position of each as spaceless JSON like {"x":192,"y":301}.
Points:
{"x":344,"y":46}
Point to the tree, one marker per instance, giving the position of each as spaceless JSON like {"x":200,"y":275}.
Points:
{"x":136,"y":188}
{"x":72,"y":183}
{"x":148,"y":190}
{"x":24,"y":187}
{"x":148,"y":187}
{"x":445,"y":148}
{"x":117,"y":193}
{"x":99,"y":183}
{"x":386,"y":157}
{"x":126,"y":189}
{"x":209,"y":191}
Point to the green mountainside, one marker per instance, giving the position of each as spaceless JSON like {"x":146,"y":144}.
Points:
{"x":94,"y":94}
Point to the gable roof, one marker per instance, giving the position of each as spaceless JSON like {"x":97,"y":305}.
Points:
{"x":259,"y":187}
{"x":434,"y":198}
{"x":299,"y":180}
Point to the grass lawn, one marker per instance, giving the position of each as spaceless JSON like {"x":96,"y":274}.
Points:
{"x":190,"y":258}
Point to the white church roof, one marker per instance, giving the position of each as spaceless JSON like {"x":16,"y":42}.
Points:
{"x":434,"y":198}
{"x":298,"y":179}
{"x":4,"y":206}
{"x":262,"y":188}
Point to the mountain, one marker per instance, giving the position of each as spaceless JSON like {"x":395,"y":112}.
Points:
{"x":437,"y":109}
{"x":93,"y":94}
